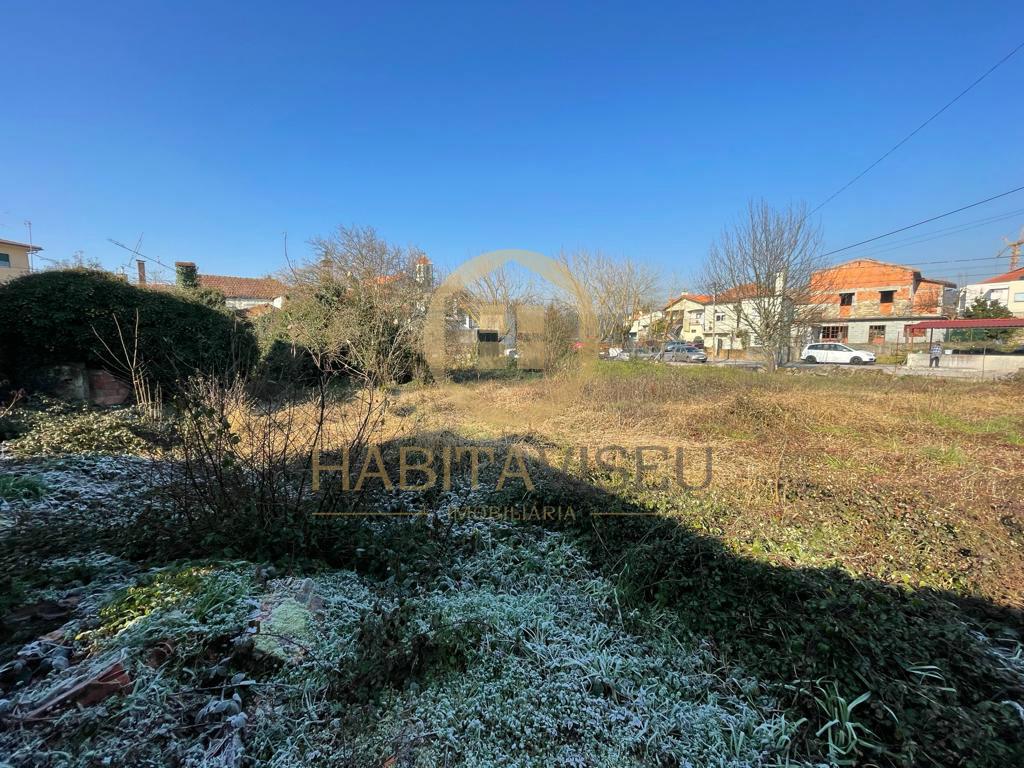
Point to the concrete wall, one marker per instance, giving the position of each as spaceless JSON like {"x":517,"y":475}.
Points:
{"x":988,"y":363}
{"x":858,"y":331}
{"x":241,"y":303}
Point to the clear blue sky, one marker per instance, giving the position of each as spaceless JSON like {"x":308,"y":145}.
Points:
{"x":635,"y":128}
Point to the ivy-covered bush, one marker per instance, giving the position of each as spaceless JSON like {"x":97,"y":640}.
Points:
{"x":59,"y":317}
{"x":281,"y":363}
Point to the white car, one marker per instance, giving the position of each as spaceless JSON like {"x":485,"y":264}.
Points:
{"x":833,"y":352}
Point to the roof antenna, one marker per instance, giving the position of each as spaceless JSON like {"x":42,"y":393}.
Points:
{"x":31,"y":247}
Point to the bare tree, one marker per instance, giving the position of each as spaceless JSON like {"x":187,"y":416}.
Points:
{"x":619,"y":287}
{"x":356,"y":308}
{"x":767,"y":270}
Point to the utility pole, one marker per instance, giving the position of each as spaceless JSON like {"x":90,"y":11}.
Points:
{"x":1014,"y":249}
{"x":1015,"y":254}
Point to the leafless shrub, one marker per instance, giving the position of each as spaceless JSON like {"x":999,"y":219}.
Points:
{"x":619,"y":288}
{"x":13,"y":399}
{"x":356,"y":312}
{"x":245,"y":478}
{"x":125,"y":360}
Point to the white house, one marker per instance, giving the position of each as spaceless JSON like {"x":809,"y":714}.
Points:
{"x":1006,"y":289}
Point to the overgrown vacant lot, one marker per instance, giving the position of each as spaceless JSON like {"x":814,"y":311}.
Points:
{"x":847,"y":589}
{"x":911,"y":481}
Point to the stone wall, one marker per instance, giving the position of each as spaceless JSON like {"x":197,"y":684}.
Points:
{"x":107,"y":389}
{"x":76,"y":382}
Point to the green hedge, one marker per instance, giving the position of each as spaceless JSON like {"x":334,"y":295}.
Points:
{"x":50,"y":318}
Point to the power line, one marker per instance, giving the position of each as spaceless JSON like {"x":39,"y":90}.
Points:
{"x":922,"y":222}
{"x":970,"y":275}
{"x":137,"y":253}
{"x":950,"y":261}
{"x":938,"y":234}
{"x":914,"y":132}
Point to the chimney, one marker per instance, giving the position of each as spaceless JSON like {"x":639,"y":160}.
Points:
{"x":141,"y":266}
{"x":185,"y":274}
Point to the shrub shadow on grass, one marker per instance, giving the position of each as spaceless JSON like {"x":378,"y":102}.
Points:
{"x":943,"y":672}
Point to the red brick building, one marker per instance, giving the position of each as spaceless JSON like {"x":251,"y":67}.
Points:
{"x":866,"y":301}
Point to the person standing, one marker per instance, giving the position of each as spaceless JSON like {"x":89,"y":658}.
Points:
{"x":934,"y":354}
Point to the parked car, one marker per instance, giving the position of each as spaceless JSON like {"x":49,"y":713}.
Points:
{"x":678,"y":352}
{"x":833,"y":352}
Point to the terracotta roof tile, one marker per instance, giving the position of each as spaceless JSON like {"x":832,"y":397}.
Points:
{"x":697,"y":298}
{"x":244,"y":287}
{"x":1008,"y":277}
{"x":234,"y":287}
{"x":740,"y":292}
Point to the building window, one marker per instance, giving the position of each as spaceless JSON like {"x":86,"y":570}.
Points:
{"x":834,"y":332}
{"x":846,"y":299}
{"x":5,"y":260}
{"x":886,"y":297}
{"x":719,"y":317}
{"x":876,"y":334}
{"x":1018,"y":297}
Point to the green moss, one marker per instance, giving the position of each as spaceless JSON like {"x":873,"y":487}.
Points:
{"x":288,"y":621}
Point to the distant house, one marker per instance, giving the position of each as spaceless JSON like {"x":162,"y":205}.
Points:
{"x":729,"y":316}
{"x":247,"y":292}
{"x":686,"y":316}
{"x":866,"y":301}
{"x":643,"y":323}
{"x":1006,"y":289}
{"x":251,"y":295}
{"x":15,"y":259}
{"x":716,"y":319}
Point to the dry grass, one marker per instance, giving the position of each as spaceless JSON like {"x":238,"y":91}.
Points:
{"x":914,"y":481}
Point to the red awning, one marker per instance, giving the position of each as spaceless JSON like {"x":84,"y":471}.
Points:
{"x":992,"y":322}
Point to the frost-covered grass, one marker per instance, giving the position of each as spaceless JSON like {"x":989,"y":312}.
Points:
{"x":539,"y":670}
{"x":510,"y":650}
{"x":517,"y":656}
{"x":88,"y":499}
{"x":441,"y":640}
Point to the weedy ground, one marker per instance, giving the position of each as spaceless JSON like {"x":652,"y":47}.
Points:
{"x":846,"y":591}
{"x":917,"y":482}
